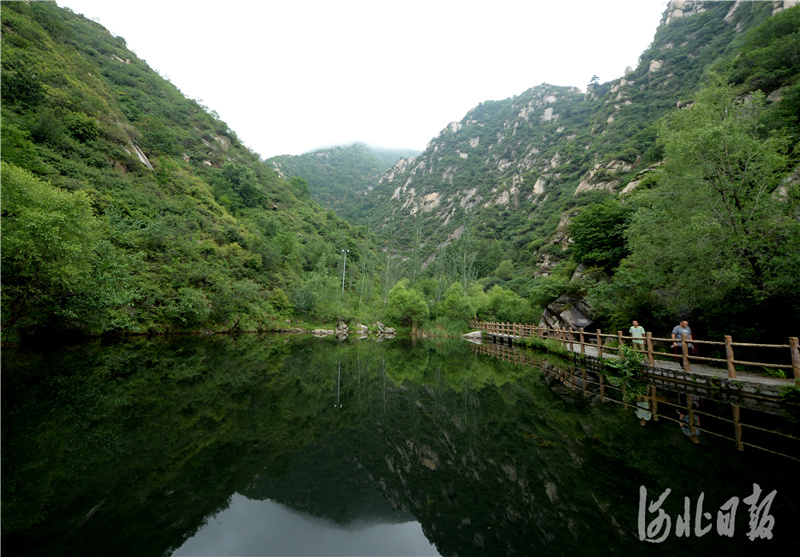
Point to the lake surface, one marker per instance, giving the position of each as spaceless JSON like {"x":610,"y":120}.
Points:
{"x":275,"y":445}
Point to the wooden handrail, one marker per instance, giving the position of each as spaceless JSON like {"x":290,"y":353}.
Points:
{"x":566,"y":338}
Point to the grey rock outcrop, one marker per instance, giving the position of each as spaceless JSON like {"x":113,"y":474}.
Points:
{"x":567,"y":311}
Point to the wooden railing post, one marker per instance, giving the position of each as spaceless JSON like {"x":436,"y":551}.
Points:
{"x":650,"y":358}
{"x":729,"y":357}
{"x":599,"y":344}
{"x":619,"y":342}
{"x":690,"y":409}
{"x":654,"y":402}
{"x":737,"y":427}
{"x":685,"y":350}
{"x":793,"y":344}
{"x":570,"y":339}
{"x":583,"y":346}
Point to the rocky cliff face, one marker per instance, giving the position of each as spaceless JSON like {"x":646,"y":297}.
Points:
{"x":517,"y":170}
{"x":479,"y":163}
{"x":678,"y":9}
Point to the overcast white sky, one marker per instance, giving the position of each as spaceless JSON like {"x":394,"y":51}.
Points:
{"x":292,"y":76}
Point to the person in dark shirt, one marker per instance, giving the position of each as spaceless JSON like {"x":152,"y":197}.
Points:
{"x":681,"y":328}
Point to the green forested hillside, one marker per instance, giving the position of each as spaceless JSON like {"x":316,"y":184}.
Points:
{"x":336,"y":176}
{"x":128,"y":208}
{"x":555,"y":180}
{"x":670,"y":192}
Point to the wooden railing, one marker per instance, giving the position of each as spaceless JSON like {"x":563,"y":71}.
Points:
{"x":661,"y":404}
{"x":610,"y":344}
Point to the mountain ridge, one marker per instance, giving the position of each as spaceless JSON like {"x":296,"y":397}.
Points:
{"x":535,"y":170}
{"x":182,"y":228}
{"x":190,"y":230}
{"x":518,"y":171}
{"x":337,"y":175}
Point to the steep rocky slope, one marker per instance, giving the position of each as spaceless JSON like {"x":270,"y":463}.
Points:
{"x":518,"y":169}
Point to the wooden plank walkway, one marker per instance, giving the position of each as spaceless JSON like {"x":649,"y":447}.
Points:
{"x":702,"y":370}
{"x":684,"y":366}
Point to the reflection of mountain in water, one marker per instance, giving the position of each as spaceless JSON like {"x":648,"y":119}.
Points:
{"x":530,"y":464}
{"x":489,"y":457}
{"x":325,"y":481}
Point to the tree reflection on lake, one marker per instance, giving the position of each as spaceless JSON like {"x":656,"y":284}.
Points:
{"x":267,"y":445}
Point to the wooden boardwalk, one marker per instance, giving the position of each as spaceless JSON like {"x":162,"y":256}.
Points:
{"x":596,"y":345}
{"x":703,"y":370}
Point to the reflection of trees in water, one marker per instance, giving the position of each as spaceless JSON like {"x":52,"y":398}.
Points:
{"x":508,"y":462}
{"x":754,"y":421}
{"x":485,"y":454}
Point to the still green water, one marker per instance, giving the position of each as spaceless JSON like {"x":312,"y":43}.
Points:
{"x":267,"y":445}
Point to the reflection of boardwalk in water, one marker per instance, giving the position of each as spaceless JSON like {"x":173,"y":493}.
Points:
{"x":747,"y":419}
{"x":687,"y":364}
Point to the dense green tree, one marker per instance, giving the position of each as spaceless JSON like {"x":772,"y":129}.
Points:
{"x":722,"y":225}
{"x":505,"y":270}
{"x":599,"y":234}
{"x":23,"y":86}
{"x":771,"y":53}
{"x":456,"y":304}
{"x":406,"y":306}
{"x":507,"y":306}
{"x":56,"y":259}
